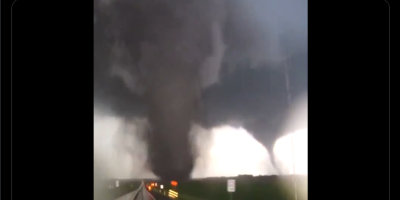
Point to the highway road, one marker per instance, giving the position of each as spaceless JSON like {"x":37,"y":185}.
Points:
{"x":142,"y":193}
{"x":133,"y":194}
{"x":158,"y":196}
{"x":139,"y":194}
{"x":129,"y":196}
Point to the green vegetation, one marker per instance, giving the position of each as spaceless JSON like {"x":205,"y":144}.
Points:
{"x":247,"y":187}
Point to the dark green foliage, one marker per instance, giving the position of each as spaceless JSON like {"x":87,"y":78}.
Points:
{"x":257,"y":188}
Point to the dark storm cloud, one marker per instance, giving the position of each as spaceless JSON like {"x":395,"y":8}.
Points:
{"x":257,"y":36}
{"x":159,"y":46}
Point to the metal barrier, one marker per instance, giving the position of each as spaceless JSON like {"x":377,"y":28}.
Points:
{"x":143,"y":194}
{"x":139,"y":193}
{"x":135,"y":195}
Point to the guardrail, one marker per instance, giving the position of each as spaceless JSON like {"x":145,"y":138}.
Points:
{"x":134,"y":195}
{"x":139,"y":194}
{"x":113,"y":189}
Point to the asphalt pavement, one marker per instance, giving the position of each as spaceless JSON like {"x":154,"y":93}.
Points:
{"x":158,"y":196}
{"x":128,"y":196}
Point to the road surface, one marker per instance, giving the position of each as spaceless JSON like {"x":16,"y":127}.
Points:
{"x":129,"y":196}
{"x":139,"y":194}
{"x":158,"y":196}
